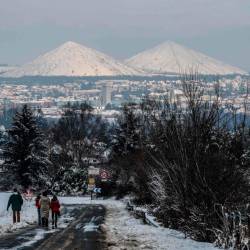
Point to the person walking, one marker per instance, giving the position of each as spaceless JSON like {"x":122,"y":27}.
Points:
{"x":16,"y":202}
{"x":55,"y":209}
{"x":45,"y":207}
{"x":38,"y":198}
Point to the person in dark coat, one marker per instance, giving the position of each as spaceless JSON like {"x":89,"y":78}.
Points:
{"x":16,"y":202}
{"x":55,"y":208}
{"x":38,"y":209}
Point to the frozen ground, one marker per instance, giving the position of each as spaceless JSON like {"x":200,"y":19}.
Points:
{"x":126,"y":232}
{"x":28,"y":214}
{"x":122,"y":229}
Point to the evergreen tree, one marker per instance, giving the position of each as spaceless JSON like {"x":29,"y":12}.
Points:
{"x":78,"y":136}
{"x":3,"y":136}
{"x":25,"y":153}
{"x":126,"y":138}
{"x":126,"y":149}
{"x":6,"y":116}
{"x":40,"y":120}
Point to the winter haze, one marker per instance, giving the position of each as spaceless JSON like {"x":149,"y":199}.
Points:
{"x":124,"y":28}
{"x":125,"y":124}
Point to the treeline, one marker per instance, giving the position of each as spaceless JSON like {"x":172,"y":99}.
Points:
{"x":54,"y":156}
{"x":189,"y":161}
{"x":186,"y":162}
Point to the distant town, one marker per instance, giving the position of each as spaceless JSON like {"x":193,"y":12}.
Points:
{"x":107,"y":96}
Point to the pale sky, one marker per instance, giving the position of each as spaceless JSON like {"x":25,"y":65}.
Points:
{"x":122,"y":28}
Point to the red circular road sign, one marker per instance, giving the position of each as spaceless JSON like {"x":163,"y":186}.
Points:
{"x":104,"y":174}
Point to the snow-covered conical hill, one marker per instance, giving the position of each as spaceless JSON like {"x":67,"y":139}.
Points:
{"x":172,"y":58}
{"x":72,"y":59}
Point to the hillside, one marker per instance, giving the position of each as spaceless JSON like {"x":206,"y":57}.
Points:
{"x":72,"y":59}
{"x":172,"y":58}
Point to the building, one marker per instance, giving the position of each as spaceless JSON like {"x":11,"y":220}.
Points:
{"x":107,"y":93}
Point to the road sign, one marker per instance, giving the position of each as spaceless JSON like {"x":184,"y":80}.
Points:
{"x":28,"y":195}
{"x":91,"y":187}
{"x":91,"y":181}
{"x":97,"y":190}
{"x":93,"y":171}
{"x":104,"y":174}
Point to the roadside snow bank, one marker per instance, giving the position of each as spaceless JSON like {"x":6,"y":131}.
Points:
{"x":126,"y":232}
{"x":123,"y":230}
{"x":28,"y":214}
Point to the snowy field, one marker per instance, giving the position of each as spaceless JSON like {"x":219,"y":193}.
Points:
{"x":123,"y":230}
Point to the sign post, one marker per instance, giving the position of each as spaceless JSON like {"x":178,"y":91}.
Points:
{"x":92,"y":173}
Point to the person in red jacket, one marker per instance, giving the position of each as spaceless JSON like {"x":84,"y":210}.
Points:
{"x":55,"y":208}
{"x":38,"y":209}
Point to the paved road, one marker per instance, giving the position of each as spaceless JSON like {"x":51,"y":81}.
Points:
{"x":84,"y":232}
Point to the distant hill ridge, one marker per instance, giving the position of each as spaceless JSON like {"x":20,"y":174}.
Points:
{"x":73,"y":59}
{"x":172,"y":58}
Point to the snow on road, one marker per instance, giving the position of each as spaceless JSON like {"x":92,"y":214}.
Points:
{"x":126,"y":232}
{"x":122,"y":229}
{"x":28,"y":214}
